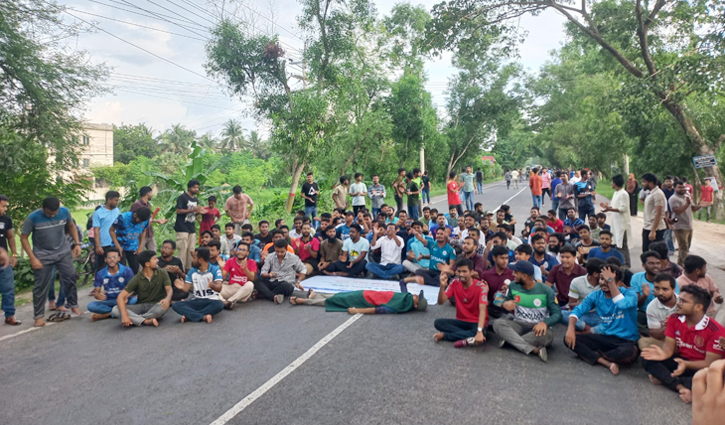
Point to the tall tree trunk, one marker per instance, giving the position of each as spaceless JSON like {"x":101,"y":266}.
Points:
{"x":349,"y":160}
{"x":693,"y":135}
{"x":295,"y":182}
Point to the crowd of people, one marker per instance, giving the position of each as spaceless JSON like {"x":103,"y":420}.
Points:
{"x":567,"y":265}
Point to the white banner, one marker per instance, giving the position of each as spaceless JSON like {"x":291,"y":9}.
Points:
{"x":335,"y":284}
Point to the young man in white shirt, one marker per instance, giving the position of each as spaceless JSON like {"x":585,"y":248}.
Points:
{"x":391,"y":247}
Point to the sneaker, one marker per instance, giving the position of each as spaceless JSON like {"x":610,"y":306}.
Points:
{"x":464,"y":342}
{"x":543,"y":355}
{"x":279,"y":299}
{"x":501,"y":343}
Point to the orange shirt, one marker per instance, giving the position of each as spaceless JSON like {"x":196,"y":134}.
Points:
{"x":535,"y":184}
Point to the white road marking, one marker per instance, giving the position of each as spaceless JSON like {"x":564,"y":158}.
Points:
{"x":25,"y":331}
{"x":509,"y":199}
{"x":259,"y":392}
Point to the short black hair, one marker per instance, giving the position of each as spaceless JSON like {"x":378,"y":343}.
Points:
{"x":500,"y":235}
{"x":310,"y":173}
{"x":499,"y":250}
{"x":51,"y":203}
{"x":618,"y":180}
{"x":111,"y":249}
{"x":192,"y":183}
{"x":645,"y":255}
{"x":649,"y":177}
{"x":144,"y":191}
{"x":212,"y":198}
{"x":594,"y":265}
{"x":694,"y":262}
{"x":358,"y":175}
{"x":567,"y":248}
{"x":280,"y":243}
{"x":248,"y":234}
{"x":205,"y":232}
{"x":202,"y":253}
{"x":605,"y":232}
{"x":284,"y":226}
{"x":464,"y":262}
{"x":240,"y":243}
{"x":699,"y":295}
{"x":143,"y":213}
{"x":659,"y":247}
{"x":342,"y":179}
{"x":417,"y":223}
{"x":247,"y":227}
{"x":263,"y":222}
{"x":237,"y":189}
{"x":170,"y":242}
{"x":524,"y":249}
{"x":356,"y":227}
{"x":228,"y":225}
{"x":661,"y":277}
{"x":536,"y":237}
{"x":215,"y":243}
{"x":112,"y":194}
{"x":145,"y":257}
{"x":559,"y":236}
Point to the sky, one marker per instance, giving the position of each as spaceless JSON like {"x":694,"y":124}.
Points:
{"x":155,"y":49}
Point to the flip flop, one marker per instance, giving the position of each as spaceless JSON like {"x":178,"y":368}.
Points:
{"x":59,"y":317}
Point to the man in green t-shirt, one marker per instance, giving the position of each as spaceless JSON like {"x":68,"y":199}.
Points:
{"x":413,"y":192}
{"x":152,"y":287}
{"x":535,"y":311}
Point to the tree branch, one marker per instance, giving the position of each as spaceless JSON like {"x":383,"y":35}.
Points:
{"x":643,"y":42}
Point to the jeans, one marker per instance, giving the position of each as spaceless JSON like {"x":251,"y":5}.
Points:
{"x":375,"y":212}
{"x":479,"y":186}
{"x":138,"y":313}
{"x":385,"y":272}
{"x":592,"y":347}
{"x":467,"y":198}
{"x":586,"y":211}
{"x":338,"y":266}
{"x":707,"y":213}
{"x":562,"y":214}
{"x":45,"y":277}
{"x":521,"y":334}
{"x":195,"y":310}
{"x":267,"y":289}
{"x":412,"y":212}
{"x":426,"y":196}
{"x":356,"y":209}
{"x":430,"y":277}
{"x":130,"y":259}
{"x":456,"y":330}
{"x":311,"y":212}
{"x":537,"y":200}
{"x":508,"y":184}
{"x":669,"y":241}
{"x":398,"y":203}
{"x":106,"y":307}
{"x":662,"y":370}
{"x":7,"y":290}
{"x":591,"y":318}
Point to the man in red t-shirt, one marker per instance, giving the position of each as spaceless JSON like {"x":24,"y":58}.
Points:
{"x":454,"y":197}
{"x":691,"y":335}
{"x":706,"y":195}
{"x":211,"y":217}
{"x":238,"y":277}
{"x":469,"y":326}
{"x":307,"y":248}
{"x":554,"y":222}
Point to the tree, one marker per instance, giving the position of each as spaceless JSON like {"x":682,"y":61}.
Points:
{"x":42,"y":87}
{"x":132,"y":141}
{"x":667,"y":48}
{"x":177,"y":139}
{"x":208,"y":143}
{"x":233,"y":137}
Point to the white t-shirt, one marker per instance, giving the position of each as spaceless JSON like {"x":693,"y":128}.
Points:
{"x":358,"y":200}
{"x":657,"y":313}
{"x":389,"y":250}
{"x":580,"y":288}
{"x":201,"y":282}
{"x":354,"y":249}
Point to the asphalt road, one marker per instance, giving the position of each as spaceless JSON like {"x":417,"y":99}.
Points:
{"x":379,"y":370}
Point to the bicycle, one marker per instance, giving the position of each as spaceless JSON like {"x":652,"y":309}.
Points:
{"x":84,"y":265}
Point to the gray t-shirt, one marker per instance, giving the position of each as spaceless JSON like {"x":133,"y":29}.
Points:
{"x":358,"y":200}
{"x":377,"y":195}
{"x":684,"y":219}
{"x":656,"y":198}
{"x":48,"y":234}
{"x":566,"y":190}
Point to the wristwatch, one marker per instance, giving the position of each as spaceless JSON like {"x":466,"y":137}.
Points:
{"x":480,"y":329}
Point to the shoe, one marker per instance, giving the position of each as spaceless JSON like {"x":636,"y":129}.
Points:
{"x":464,"y":342}
{"x":501,"y":343}
{"x":278,"y":299}
{"x":12,"y":321}
{"x":543,"y":355}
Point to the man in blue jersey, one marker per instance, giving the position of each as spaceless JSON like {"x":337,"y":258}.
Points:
{"x":108,"y":283}
{"x":616,"y":342}
{"x":205,"y":279}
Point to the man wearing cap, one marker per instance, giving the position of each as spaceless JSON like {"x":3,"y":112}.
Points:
{"x":365,"y":302}
{"x":534,"y":313}
{"x":471,"y":295}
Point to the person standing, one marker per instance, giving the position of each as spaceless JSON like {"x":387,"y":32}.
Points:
{"x":655,"y":205}
{"x":358,"y":191}
{"x":187,"y":209}
{"x":545,"y":186}
{"x":399,"y":187}
{"x":309,"y":193}
{"x":454,"y":198}
{"x":479,"y":181}
{"x":426,"y":188}
{"x":507,"y":177}
{"x":633,"y":190}
{"x":239,"y":208}
{"x":144,"y":201}
{"x":50,"y":253}
{"x":128,"y":233}
{"x":621,"y":223}
{"x":413,"y":191}
{"x":535,"y":186}
{"x":103,"y":219}
{"x":211,"y":217}
{"x":468,"y":188}
{"x":515,"y":178}
{"x":377,"y":195}
{"x":556,"y":181}
{"x":682,"y":208}
{"x":585,"y":192}
{"x":339,"y":194}
{"x":7,"y":277}
{"x":706,"y":196}
{"x":565,"y":195}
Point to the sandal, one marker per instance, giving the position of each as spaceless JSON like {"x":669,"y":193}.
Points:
{"x":229,"y":305}
{"x":59,"y":317}
{"x":293,"y":300}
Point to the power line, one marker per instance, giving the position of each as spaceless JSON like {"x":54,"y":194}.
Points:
{"x":193,"y":13}
{"x":158,"y":16}
{"x":135,"y":24}
{"x":183,"y":24}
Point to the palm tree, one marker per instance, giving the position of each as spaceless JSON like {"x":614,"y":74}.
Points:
{"x":259,"y":146}
{"x":177,"y":139}
{"x":233,"y":136}
{"x":208,"y":142}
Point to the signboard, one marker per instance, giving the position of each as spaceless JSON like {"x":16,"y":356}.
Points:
{"x":703,"y":161}
{"x":488,"y":158}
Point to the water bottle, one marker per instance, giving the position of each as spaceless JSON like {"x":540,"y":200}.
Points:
{"x":499,"y":297}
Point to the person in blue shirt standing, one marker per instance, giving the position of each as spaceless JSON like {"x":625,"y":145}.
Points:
{"x":205,"y":280}
{"x":103,"y":219}
{"x":128,"y":233}
{"x":112,"y":278}
{"x":616,"y":342}
{"x":556,"y":181}
{"x":585,"y":192}
{"x":440,"y":252}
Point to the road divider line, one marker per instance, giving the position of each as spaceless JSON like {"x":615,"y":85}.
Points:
{"x":259,"y":392}
{"x":25,"y":331}
{"x":509,"y":199}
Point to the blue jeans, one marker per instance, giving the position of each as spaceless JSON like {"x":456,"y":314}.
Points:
{"x":196,"y":309}
{"x":7,"y":290}
{"x":385,"y":272}
{"x":413,"y":212}
{"x":311,"y":212}
{"x":456,"y":330}
{"x":375,"y":212}
{"x":584,"y":211}
{"x":670,"y":242}
{"x":105,"y":307}
{"x":555,"y":204}
{"x":479,"y":186}
{"x":426,"y":196}
{"x":537,"y":200}
{"x":591,"y":319}
{"x":467,"y":199}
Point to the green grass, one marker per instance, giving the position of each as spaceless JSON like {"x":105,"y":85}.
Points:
{"x":605,"y":189}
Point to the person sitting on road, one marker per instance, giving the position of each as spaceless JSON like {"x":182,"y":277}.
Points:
{"x":605,"y":248}
{"x":659,"y":310}
{"x":173,"y":266}
{"x":561,"y":275}
{"x":440,"y":252}
{"x":307,"y":247}
{"x":365,"y":302}
{"x":330,"y":249}
{"x":666,"y":266}
{"x":205,"y":279}
{"x":534,"y":313}
{"x":690,"y":335}
{"x":112,"y":278}
{"x":497,"y":278}
{"x":354,"y":250}
{"x":240,"y":273}
{"x":391,"y":246}
{"x":469,"y":326}
{"x":696,"y":274}
{"x":152,"y":287}
{"x":281,"y":273}
{"x":579,"y":289}
{"x":615,"y":343}
{"x":523,"y":253}
{"x":418,"y":255}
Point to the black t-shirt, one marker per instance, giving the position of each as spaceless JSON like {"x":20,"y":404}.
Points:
{"x":479,"y":176}
{"x":426,"y":182}
{"x":175,"y":261}
{"x":6,"y":223}
{"x":263,"y":240}
{"x":186,"y":222}
{"x":309,"y":191}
